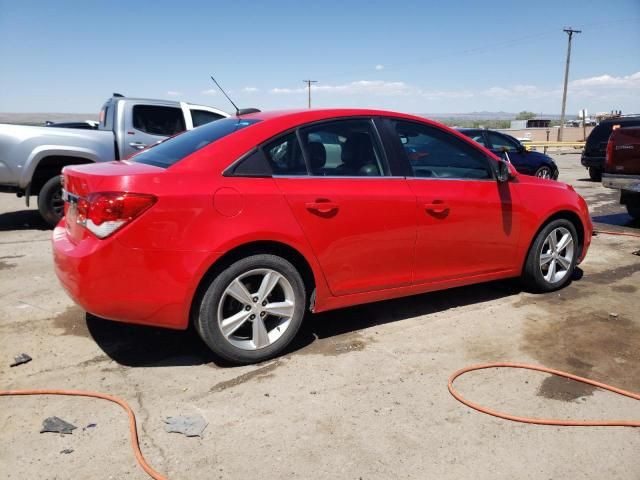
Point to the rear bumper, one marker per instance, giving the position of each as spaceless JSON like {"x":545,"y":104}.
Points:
{"x":592,"y":161}
{"x":116,"y":282}
{"x":622,"y":182}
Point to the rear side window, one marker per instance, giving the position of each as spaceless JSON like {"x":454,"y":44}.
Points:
{"x":344,"y":148}
{"x":156,"y":120}
{"x":285,"y":156}
{"x":201,"y":117}
{"x":170,"y":151}
{"x":434,"y":153}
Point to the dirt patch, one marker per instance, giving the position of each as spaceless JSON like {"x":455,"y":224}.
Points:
{"x":72,"y":322}
{"x":588,"y":343}
{"x":257,"y":374}
{"x":624,"y":288}
{"x":332,"y":346}
{"x":6,"y":266}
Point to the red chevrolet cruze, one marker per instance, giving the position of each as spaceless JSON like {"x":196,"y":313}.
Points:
{"x":242,"y":225}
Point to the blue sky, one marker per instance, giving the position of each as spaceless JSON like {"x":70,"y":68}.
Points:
{"x":414,"y":56}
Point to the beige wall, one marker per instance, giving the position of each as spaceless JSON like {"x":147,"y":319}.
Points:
{"x":570,"y":134}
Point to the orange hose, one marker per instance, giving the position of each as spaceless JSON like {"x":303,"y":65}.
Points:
{"x":543,"y":421}
{"x":621,"y":234}
{"x":81,"y":393}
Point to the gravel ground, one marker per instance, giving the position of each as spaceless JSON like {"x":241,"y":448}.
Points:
{"x":362,"y":395}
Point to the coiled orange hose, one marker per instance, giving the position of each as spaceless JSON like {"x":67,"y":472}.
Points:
{"x":543,"y":421}
{"x":103,"y":396}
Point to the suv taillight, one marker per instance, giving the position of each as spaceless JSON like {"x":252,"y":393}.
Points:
{"x":105,"y":213}
{"x":609,"y":157}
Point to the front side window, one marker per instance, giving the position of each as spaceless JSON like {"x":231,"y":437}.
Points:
{"x":201,"y":117}
{"x":502,"y":143}
{"x":434,"y":153}
{"x":345,"y":148}
{"x":285,"y":157}
{"x":157,"y":120}
{"x":170,"y":151}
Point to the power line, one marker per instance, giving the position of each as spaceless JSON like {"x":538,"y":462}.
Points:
{"x":569,"y":31}
{"x":309,"y":82}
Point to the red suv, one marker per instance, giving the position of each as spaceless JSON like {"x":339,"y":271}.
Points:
{"x":242,"y":225}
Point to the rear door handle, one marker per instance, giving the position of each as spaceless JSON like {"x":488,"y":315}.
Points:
{"x":138,"y":145}
{"x":323,"y":207}
{"x":437,"y":207}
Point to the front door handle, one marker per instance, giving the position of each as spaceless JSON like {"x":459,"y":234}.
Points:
{"x":323,"y":207}
{"x":138,"y":145}
{"x":437,"y":207}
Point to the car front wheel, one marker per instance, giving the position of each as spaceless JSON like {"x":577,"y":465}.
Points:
{"x":552,"y":257}
{"x":544,"y":172}
{"x":253,"y":309}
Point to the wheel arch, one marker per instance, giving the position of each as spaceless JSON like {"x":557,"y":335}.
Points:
{"x":569,"y":215}
{"x":50,"y":166}
{"x":289,"y":253}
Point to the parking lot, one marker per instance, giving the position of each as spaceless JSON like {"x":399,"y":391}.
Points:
{"x":361,"y":395}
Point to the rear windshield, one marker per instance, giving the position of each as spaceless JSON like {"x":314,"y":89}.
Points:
{"x":174,"y":149}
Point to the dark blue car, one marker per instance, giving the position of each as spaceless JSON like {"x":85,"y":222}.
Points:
{"x":526,"y":162}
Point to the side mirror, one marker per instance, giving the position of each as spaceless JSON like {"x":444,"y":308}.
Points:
{"x":503,"y":173}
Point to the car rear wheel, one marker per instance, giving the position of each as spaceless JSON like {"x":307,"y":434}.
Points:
{"x":50,"y":202}
{"x":595,"y":174}
{"x":253,"y":309}
{"x":552,"y":257}
{"x":544,"y":172}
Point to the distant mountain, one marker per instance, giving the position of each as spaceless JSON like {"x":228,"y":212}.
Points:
{"x":40,"y":118}
{"x":489,"y":116}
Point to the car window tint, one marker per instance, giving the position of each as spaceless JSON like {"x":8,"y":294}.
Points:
{"x":285,"y":156}
{"x":434,"y":153}
{"x":155,"y":120}
{"x":345,"y":148}
{"x":476,"y":137}
{"x":171,"y":150}
{"x":200,"y":117}
{"x":502,"y":142}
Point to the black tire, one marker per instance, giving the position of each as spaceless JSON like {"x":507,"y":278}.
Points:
{"x":532,"y":275}
{"x":633,"y":207}
{"x":50,"y":203}
{"x":544,"y":172}
{"x":595,"y":174}
{"x":207,"y":323}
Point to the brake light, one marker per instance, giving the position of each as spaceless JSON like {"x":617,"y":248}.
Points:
{"x":609,"y":156}
{"x":104,"y":213}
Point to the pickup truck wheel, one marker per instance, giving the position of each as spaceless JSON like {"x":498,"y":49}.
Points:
{"x":595,"y":174}
{"x":252,"y":309}
{"x":50,"y":202}
{"x":552,"y":257}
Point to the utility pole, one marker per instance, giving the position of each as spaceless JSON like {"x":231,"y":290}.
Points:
{"x":569,"y":31}
{"x":309,"y":82}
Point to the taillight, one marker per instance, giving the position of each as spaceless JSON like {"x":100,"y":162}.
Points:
{"x":609,"y":157}
{"x":104,"y":213}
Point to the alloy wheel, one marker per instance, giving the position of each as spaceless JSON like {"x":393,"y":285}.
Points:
{"x":256,"y":309}
{"x":556,"y":255}
{"x":543,"y":172}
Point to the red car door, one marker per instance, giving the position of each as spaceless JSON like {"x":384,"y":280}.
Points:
{"x":466,"y":221}
{"x":359,"y":220}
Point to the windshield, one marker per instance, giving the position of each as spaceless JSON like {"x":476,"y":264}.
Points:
{"x":174,"y":149}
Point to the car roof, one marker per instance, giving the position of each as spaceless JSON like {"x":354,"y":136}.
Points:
{"x":310,"y":115}
{"x":634,"y":118}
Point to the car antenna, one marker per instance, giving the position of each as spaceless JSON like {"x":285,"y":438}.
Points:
{"x":239,"y":111}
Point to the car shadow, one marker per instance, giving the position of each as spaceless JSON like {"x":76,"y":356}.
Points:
{"x":588,"y":180}
{"x":141,"y":346}
{"x":617,"y":220}
{"x":22,"y":220}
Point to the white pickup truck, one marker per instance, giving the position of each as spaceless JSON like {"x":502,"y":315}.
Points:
{"x":31,"y":158}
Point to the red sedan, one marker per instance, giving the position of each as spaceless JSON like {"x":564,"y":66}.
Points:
{"x":242,"y":225}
